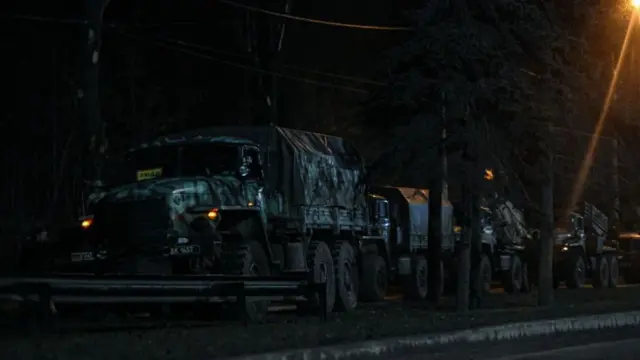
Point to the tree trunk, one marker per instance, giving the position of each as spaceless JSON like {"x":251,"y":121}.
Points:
{"x":476,"y":289}
{"x":435,"y":213}
{"x":545,"y":243}
{"x":464,"y":254}
{"x":435,"y":239}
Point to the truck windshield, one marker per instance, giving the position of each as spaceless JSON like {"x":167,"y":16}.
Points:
{"x":187,"y":160}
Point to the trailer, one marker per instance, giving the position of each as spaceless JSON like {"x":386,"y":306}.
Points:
{"x":398,"y":254}
{"x":583,"y":250}
{"x":259,"y":201}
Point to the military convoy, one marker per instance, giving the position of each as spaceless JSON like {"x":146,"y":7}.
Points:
{"x":267,"y":201}
{"x":260,"y":201}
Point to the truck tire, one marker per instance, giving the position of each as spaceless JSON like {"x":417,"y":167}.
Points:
{"x":320,"y":263}
{"x":614,"y":270}
{"x":575,"y":271}
{"x":374,"y":279}
{"x":512,"y":278}
{"x":346,"y":268}
{"x":481,"y":282}
{"x":416,"y":284}
{"x":601,"y":272}
{"x":248,"y":258}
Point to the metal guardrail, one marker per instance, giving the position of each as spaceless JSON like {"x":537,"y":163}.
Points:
{"x":43,"y":291}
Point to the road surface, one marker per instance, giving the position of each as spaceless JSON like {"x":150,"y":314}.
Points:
{"x":620,"y":350}
{"x":618,"y":344}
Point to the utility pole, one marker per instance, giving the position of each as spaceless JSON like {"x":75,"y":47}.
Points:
{"x":464,"y":252}
{"x":435,"y":213}
{"x":265,"y":35}
{"x":89,"y":93}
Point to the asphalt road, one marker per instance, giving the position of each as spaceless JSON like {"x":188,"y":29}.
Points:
{"x":618,"y":344}
{"x":620,"y":350}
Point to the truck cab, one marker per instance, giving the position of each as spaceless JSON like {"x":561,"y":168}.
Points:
{"x":175,"y":200}
{"x":571,"y":236}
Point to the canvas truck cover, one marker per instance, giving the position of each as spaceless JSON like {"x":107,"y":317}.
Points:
{"x":413,"y":211}
{"x":300,"y":168}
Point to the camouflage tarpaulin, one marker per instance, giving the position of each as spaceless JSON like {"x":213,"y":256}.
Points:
{"x":301,"y":168}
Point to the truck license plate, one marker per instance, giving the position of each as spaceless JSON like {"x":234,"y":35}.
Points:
{"x":185,"y":250}
{"x":87,"y":256}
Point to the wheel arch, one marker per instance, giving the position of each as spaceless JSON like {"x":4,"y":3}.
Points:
{"x":248,"y":224}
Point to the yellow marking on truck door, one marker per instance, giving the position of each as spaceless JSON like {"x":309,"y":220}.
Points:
{"x":148,"y":174}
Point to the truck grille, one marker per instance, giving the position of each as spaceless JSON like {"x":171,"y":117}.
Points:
{"x":138,"y":223}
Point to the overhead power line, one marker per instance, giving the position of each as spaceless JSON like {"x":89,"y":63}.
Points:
{"x":286,"y":66}
{"x":42,"y":18}
{"x":247,"y":67}
{"x":225,"y":62}
{"x":230,"y":3}
{"x":316,"y":21}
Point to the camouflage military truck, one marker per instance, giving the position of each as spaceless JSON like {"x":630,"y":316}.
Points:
{"x":236,"y":200}
{"x":399,"y":251}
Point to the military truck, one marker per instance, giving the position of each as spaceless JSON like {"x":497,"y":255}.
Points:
{"x":582,"y":249}
{"x":397,"y":251}
{"x":237,"y":200}
{"x":507,"y":246}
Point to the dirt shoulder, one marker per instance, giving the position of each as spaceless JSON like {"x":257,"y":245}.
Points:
{"x":371,"y":321}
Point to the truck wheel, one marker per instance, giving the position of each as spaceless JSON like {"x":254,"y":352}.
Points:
{"x":601,"y":272}
{"x":320,"y":263}
{"x":416,"y":283}
{"x":248,"y":258}
{"x":346,"y":269}
{"x":512,"y":281}
{"x":575,"y":275}
{"x":614,"y":270}
{"x":373,"y":286}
